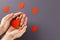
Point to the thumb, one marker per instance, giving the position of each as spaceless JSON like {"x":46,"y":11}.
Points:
{"x":11,"y":17}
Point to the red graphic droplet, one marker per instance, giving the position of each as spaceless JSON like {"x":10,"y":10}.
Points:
{"x":21,"y":5}
{"x":35,"y":10}
{"x":6,"y":9}
{"x":15,"y":23}
{"x":34,"y":28}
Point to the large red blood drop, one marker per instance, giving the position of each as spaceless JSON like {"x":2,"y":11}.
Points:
{"x":15,"y":23}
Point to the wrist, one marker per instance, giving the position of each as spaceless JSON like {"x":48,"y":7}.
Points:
{"x":1,"y":29}
{"x":7,"y":37}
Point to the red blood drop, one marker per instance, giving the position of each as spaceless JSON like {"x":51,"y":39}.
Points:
{"x":35,"y":10}
{"x":6,"y":9}
{"x":21,"y":5}
{"x":15,"y":23}
{"x":34,"y":28}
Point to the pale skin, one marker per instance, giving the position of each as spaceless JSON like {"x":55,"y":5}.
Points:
{"x":13,"y":33}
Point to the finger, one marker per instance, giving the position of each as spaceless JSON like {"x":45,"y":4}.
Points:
{"x":20,"y":33}
{"x":21,"y":16}
{"x":9,"y":16}
{"x":17,"y":18}
{"x":22,"y":20}
{"x":24,"y":27}
{"x":25,"y":21}
{"x":23,"y":30}
{"x":14,"y":32}
{"x":6,"y":16}
{"x":20,"y":28}
{"x":10,"y":29}
{"x":19,"y":13}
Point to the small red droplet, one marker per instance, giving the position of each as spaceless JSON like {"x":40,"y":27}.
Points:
{"x":21,"y":5}
{"x":34,"y":28}
{"x":35,"y":10}
{"x":6,"y":9}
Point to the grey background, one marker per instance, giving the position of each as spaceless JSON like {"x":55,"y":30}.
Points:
{"x":47,"y":19}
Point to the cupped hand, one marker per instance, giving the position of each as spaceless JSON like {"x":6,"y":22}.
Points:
{"x":13,"y":33}
{"x":5,"y":22}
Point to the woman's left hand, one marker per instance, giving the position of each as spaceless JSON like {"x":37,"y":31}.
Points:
{"x":5,"y":23}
